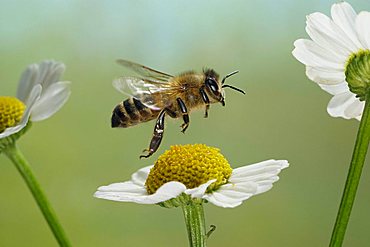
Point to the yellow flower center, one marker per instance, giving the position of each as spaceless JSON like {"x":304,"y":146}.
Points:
{"x":191,"y":165}
{"x":11,"y":112}
{"x":357,"y":71}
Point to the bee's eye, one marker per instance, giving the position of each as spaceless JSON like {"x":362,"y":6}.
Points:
{"x":212,"y":84}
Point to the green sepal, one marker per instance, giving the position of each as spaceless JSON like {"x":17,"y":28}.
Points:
{"x":358,"y":73}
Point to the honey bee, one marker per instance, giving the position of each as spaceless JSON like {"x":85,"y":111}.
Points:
{"x":155,"y":94}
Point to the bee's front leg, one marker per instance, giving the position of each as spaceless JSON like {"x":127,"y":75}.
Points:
{"x":205,"y":100}
{"x":157,"y":135}
{"x":185,"y":115}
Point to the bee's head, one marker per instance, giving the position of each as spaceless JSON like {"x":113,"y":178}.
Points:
{"x":215,"y":87}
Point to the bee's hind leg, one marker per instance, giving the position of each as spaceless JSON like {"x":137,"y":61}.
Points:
{"x":185,"y":115}
{"x":205,"y":100}
{"x":157,"y":135}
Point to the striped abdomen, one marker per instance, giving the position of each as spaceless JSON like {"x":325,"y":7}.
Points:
{"x":131,"y":112}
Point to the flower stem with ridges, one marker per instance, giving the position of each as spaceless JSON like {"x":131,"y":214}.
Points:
{"x":24,"y":169}
{"x":353,"y":177}
{"x":195,"y":223}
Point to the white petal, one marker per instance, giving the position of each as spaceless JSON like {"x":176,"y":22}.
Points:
{"x":355,"y":109}
{"x":33,"y":97}
{"x":263,"y":174}
{"x":51,"y":100}
{"x":325,"y":76}
{"x":50,"y":72}
{"x":344,"y":16}
{"x":323,"y":28}
{"x":44,"y":73}
{"x":340,"y":103}
{"x":221,"y":200}
{"x":247,"y":181}
{"x":317,"y":28}
{"x":311,"y":54}
{"x":267,"y":175}
{"x":262,"y":186}
{"x":141,"y":175}
{"x":27,"y":82}
{"x":258,"y":169}
{"x":231,"y":195}
{"x":127,"y":187}
{"x":321,"y":39}
{"x":130,"y":192}
{"x":335,"y":89}
{"x":199,"y":191}
{"x":125,"y":191}
{"x":362,"y":28}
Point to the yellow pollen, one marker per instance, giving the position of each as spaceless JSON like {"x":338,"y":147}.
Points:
{"x":191,"y":165}
{"x":11,"y":112}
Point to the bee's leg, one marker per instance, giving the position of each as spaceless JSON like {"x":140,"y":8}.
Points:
{"x":205,"y":99}
{"x":185,"y":115}
{"x":157,"y":135}
{"x":171,"y":113}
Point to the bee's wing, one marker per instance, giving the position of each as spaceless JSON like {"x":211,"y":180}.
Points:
{"x":145,"y":71}
{"x":144,"y":90}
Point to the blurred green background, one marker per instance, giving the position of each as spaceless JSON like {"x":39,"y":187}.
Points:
{"x":283,"y":116}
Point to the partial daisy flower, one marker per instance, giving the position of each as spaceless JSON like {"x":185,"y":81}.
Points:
{"x":338,"y":56}
{"x":194,"y":172}
{"x":40,"y":94}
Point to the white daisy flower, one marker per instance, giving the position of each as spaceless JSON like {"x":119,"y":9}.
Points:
{"x":40,"y":94}
{"x":198,"y":171}
{"x":337,"y":57}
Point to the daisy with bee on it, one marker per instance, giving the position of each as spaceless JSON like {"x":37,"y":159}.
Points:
{"x":189,"y":176}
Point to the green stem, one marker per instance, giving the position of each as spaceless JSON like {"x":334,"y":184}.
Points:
{"x":24,"y":169}
{"x":195,"y":223}
{"x":353,"y":177}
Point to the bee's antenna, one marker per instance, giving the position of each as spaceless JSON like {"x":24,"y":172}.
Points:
{"x":235,"y":88}
{"x":228,"y":75}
